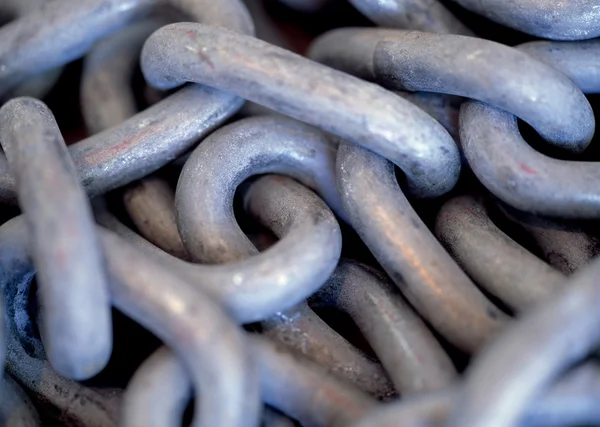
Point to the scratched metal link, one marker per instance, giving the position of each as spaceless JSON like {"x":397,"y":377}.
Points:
{"x":373,"y":213}
{"x":465,"y":66}
{"x":186,"y":52}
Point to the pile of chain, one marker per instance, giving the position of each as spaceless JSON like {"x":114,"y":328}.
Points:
{"x":330,"y":225}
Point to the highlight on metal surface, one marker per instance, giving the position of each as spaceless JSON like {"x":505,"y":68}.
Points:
{"x":423,"y":271}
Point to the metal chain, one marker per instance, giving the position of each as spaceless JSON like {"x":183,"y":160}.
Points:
{"x":381,"y":214}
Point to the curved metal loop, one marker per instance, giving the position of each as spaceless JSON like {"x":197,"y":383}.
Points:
{"x":311,"y":229}
{"x":577,"y":60}
{"x":248,"y":147}
{"x":253,"y":289}
{"x":16,"y":410}
{"x":289,"y":382}
{"x":491,"y":258}
{"x":565,"y":245}
{"x":469,"y":67}
{"x":572,"y":400}
{"x":409,"y":352}
{"x":359,"y":111}
{"x":298,"y":327}
{"x":61,"y":31}
{"x":215,"y":354}
{"x":245,"y":148}
{"x":549,"y":19}
{"x":75,"y":305}
{"x":421,"y":15}
{"x":560,"y":332}
{"x":521,"y":176}
{"x":384,"y":219}
{"x":205,"y":206}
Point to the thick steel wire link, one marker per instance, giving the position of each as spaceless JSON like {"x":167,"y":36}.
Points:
{"x":399,"y":108}
{"x":423,"y":271}
{"x":468,"y":67}
{"x":325,"y":243}
{"x":514,"y":171}
{"x":269,"y":144}
{"x":165,"y":234}
{"x":74,"y":302}
{"x":336,"y":102}
{"x":521,"y":176}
